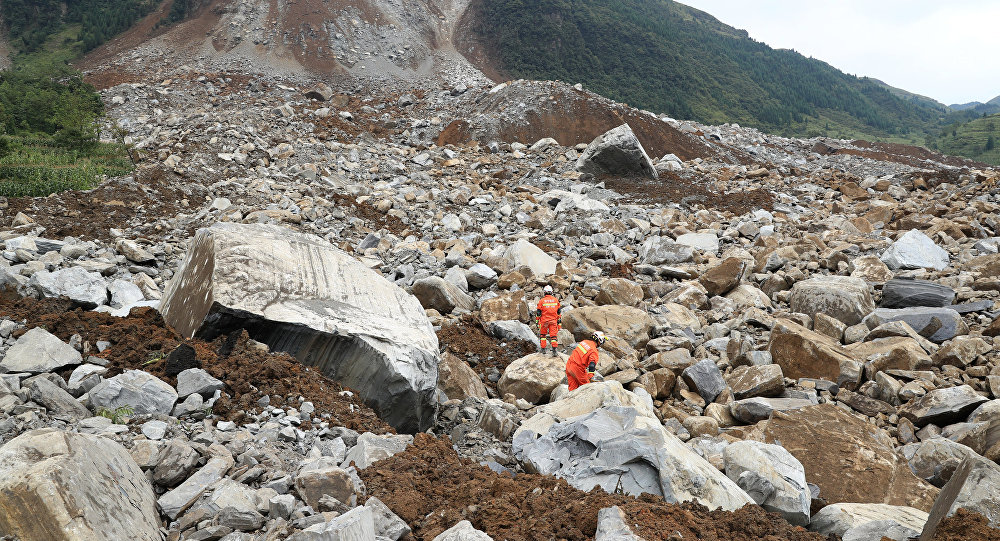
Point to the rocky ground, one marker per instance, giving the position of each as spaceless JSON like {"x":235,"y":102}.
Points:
{"x":802,"y":331}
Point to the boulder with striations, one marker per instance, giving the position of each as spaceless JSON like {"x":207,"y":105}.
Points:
{"x":299,"y":294}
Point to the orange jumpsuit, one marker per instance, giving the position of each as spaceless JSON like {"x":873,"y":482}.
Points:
{"x":548,"y":320}
{"x":582,"y":364}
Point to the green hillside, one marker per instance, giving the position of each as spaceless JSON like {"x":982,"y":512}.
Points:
{"x":68,"y":28}
{"x":978,"y":139}
{"x":670,"y":58}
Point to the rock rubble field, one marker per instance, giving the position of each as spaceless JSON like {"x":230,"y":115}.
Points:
{"x":308,"y":315}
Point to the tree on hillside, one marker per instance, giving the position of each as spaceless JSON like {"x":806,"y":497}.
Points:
{"x":990,"y":144}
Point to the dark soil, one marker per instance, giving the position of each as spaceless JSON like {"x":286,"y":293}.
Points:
{"x":144,"y":341}
{"x":375,"y":219}
{"x":966,"y":526}
{"x":674,"y":188}
{"x":432,"y":488}
{"x":144,"y":198}
{"x":907,"y":155}
{"x":469,"y":342}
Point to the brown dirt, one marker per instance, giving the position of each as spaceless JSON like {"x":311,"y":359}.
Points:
{"x":376,"y":220}
{"x":143,"y":341}
{"x":966,"y":526}
{"x":905,"y":154}
{"x":114,"y":204}
{"x":468,"y":337}
{"x":673,"y":188}
{"x":575,"y":117}
{"x":431,"y":488}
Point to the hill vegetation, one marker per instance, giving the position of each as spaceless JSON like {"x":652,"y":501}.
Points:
{"x":669,"y":58}
{"x":79,"y":25}
{"x":49,"y":133}
{"x":978,"y":139}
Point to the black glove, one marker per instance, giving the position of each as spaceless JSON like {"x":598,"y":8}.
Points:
{"x":591,"y":368}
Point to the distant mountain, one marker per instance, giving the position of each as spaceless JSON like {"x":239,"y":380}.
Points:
{"x":674,"y":59}
{"x":68,"y":27}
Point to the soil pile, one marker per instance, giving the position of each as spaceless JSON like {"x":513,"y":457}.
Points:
{"x":144,"y":341}
{"x":485,"y":354}
{"x":431,"y":488}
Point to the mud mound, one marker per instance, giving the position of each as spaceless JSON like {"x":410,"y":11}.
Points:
{"x":143,"y":341}
{"x":469,"y":342}
{"x":432,"y":488}
{"x":966,"y":526}
{"x":526,"y":111}
{"x":674,"y":188}
{"x":904,"y":154}
{"x":141,"y":200}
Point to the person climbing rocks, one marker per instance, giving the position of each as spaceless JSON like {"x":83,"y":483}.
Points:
{"x":547,"y":313}
{"x":581,"y":368}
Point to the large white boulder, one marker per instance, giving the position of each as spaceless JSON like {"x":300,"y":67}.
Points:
{"x":771,"y":476}
{"x":840,"y":297}
{"x":620,"y":448}
{"x":300,"y":294}
{"x":524,"y":253}
{"x":915,"y":250}
{"x":38,"y":351}
{"x":65,"y":486}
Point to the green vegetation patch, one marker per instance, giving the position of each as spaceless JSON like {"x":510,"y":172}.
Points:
{"x":38,"y":167}
{"x":49,"y":133}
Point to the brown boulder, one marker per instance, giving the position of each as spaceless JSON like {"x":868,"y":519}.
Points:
{"x":850,"y":459}
{"x":506,"y":307}
{"x":802,"y":353}
{"x":722,"y":278}
{"x":458,"y":380}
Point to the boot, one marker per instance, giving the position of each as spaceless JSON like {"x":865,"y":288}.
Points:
{"x":554,"y":352}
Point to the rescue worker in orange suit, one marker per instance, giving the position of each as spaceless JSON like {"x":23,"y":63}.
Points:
{"x":547,"y":313}
{"x":581,"y":368}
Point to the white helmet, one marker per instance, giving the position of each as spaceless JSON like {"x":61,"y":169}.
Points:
{"x":599,"y":338}
{"x":547,"y":289}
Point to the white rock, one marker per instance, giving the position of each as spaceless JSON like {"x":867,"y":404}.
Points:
{"x":915,"y":250}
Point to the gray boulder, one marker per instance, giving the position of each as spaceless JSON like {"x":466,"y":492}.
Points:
{"x":65,"y":486}
{"x":445,"y":297}
{"x":619,"y":447}
{"x":753,"y":410}
{"x":124,"y":293}
{"x":463,"y":531}
{"x":840,"y":518}
{"x":58,"y":402}
{"x":936,"y":459}
{"x":143,"y":392}
{"x":38,"y":351}
{"x":511,"y":331}
{"x":371,"y":448}
{"x":616,"y":152}
{"x":480,"y":276}
{"x":942,"y":406}
{"x":85,"y":288}
{"x":975,"y":486}
{"x":879,"y":530}
{"x":387,"y":523}
{"x":840,"y":297}
{"x":196,"y":380}
{"x":657,"y":250}
{"x":299,"y":294}
{"x":909,"y":293}
{"x":705,"y":379}
{"x":748,"y":461}
{"x":915,"y":250}
{"x":935,"y":324}
{"x":611,"y":526}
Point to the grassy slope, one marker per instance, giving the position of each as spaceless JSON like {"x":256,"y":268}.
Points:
{"x":673,"y":59}
{"x":970,"y":139}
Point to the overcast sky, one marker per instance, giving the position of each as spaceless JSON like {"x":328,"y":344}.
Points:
{"x":947,"y":50}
